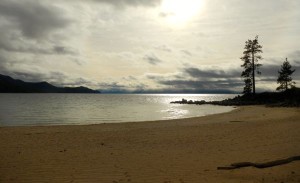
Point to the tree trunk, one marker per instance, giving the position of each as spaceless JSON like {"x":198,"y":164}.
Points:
{"x":253,"y":72}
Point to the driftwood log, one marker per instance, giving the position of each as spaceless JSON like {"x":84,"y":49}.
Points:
{"x":260,"y":165}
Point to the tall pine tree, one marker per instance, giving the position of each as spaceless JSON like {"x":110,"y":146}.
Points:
{"x":246,"y":74}
{"x":250,"y":58}
{"x":284,"y":79}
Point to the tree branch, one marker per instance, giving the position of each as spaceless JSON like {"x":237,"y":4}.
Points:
{"x":260,"y":165}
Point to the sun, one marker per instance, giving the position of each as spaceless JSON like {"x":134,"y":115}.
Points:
{"x":180,"y":11}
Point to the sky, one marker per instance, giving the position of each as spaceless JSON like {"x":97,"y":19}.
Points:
{"x":158,"y":46}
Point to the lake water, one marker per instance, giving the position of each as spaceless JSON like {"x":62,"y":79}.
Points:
{"x":64,"y":109}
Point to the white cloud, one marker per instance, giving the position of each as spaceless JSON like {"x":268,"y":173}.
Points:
{"x":101,"y":39}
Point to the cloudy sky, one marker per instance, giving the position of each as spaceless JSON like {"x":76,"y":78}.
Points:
{"x":146,"y":45}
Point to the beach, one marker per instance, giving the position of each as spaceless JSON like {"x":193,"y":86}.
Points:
{"x":170,"y":151}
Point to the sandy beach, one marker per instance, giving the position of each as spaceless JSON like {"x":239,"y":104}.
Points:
{"x":174,"y":151}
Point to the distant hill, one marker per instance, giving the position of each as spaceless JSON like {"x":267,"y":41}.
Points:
{"x":10,"y":85}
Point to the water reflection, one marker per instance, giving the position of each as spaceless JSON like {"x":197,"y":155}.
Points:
{"x":49,"y":109}
{"x":174,"y":113}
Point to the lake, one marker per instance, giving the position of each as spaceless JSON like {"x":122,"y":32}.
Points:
{"x":82,"y":109}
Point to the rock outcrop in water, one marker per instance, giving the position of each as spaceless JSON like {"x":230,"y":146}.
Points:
{"x":10,"y":85}
{"x":289,"y":98}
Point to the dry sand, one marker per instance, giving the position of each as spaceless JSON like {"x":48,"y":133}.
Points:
{"x":175,"y":151}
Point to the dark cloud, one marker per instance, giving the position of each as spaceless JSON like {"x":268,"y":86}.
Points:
{"x":33,"y":77}
{"x":116,"y":87}
{"x":74,"y":82}
{"x":199,"y":80}
{"x":210,"y":74}
{"x":26,"y":47}
{"x":6,"y":63}
{"x":217,"y":80}
{"x":55,"y":78}
{"x":27,"y":70}
{"x":138,"y":87}
{"x":34,"y":19}
{"x":2,"y":64}
{"x":23,"y":49}
{"x":112,"y":87}
{"x":152,"y":59}
{"x":218,"y":86}
{"x":27,"y":30}
{"x":52,"y":77}
{"x":154,"y":77}
{"x":270,"y":72}
{"x":62,"y":50}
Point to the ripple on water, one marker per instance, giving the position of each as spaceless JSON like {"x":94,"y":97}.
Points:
{"x":54,"y":109}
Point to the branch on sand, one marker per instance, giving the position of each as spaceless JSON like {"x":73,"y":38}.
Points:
{"x":260,"y":165}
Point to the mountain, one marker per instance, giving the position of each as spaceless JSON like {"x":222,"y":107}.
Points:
{"x":10,"y":85}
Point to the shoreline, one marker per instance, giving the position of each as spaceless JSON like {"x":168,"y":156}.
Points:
{"x":180,"y":150}
{"x":125,"y":122}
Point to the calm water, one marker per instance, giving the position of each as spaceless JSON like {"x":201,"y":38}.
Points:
{"x":63,"y":109}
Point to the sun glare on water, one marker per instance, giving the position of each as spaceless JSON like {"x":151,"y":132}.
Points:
{"x":180,"y":11}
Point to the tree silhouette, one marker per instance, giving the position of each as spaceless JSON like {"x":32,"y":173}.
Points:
{"x":284,"y":79}
{"x":251,"y":57}
{"x":246,"y":74}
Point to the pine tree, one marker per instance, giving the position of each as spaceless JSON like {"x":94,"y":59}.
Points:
{"x":246,"y":74}
{"x":251,"y":57}
{"x":284,"y":79}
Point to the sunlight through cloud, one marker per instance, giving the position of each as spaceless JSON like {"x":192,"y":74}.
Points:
{"x":180,"y":11}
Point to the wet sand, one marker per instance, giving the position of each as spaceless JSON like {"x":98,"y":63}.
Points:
{"x":174,"y":151}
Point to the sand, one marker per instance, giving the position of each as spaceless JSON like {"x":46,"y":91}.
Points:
{"x":175,"y":151}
